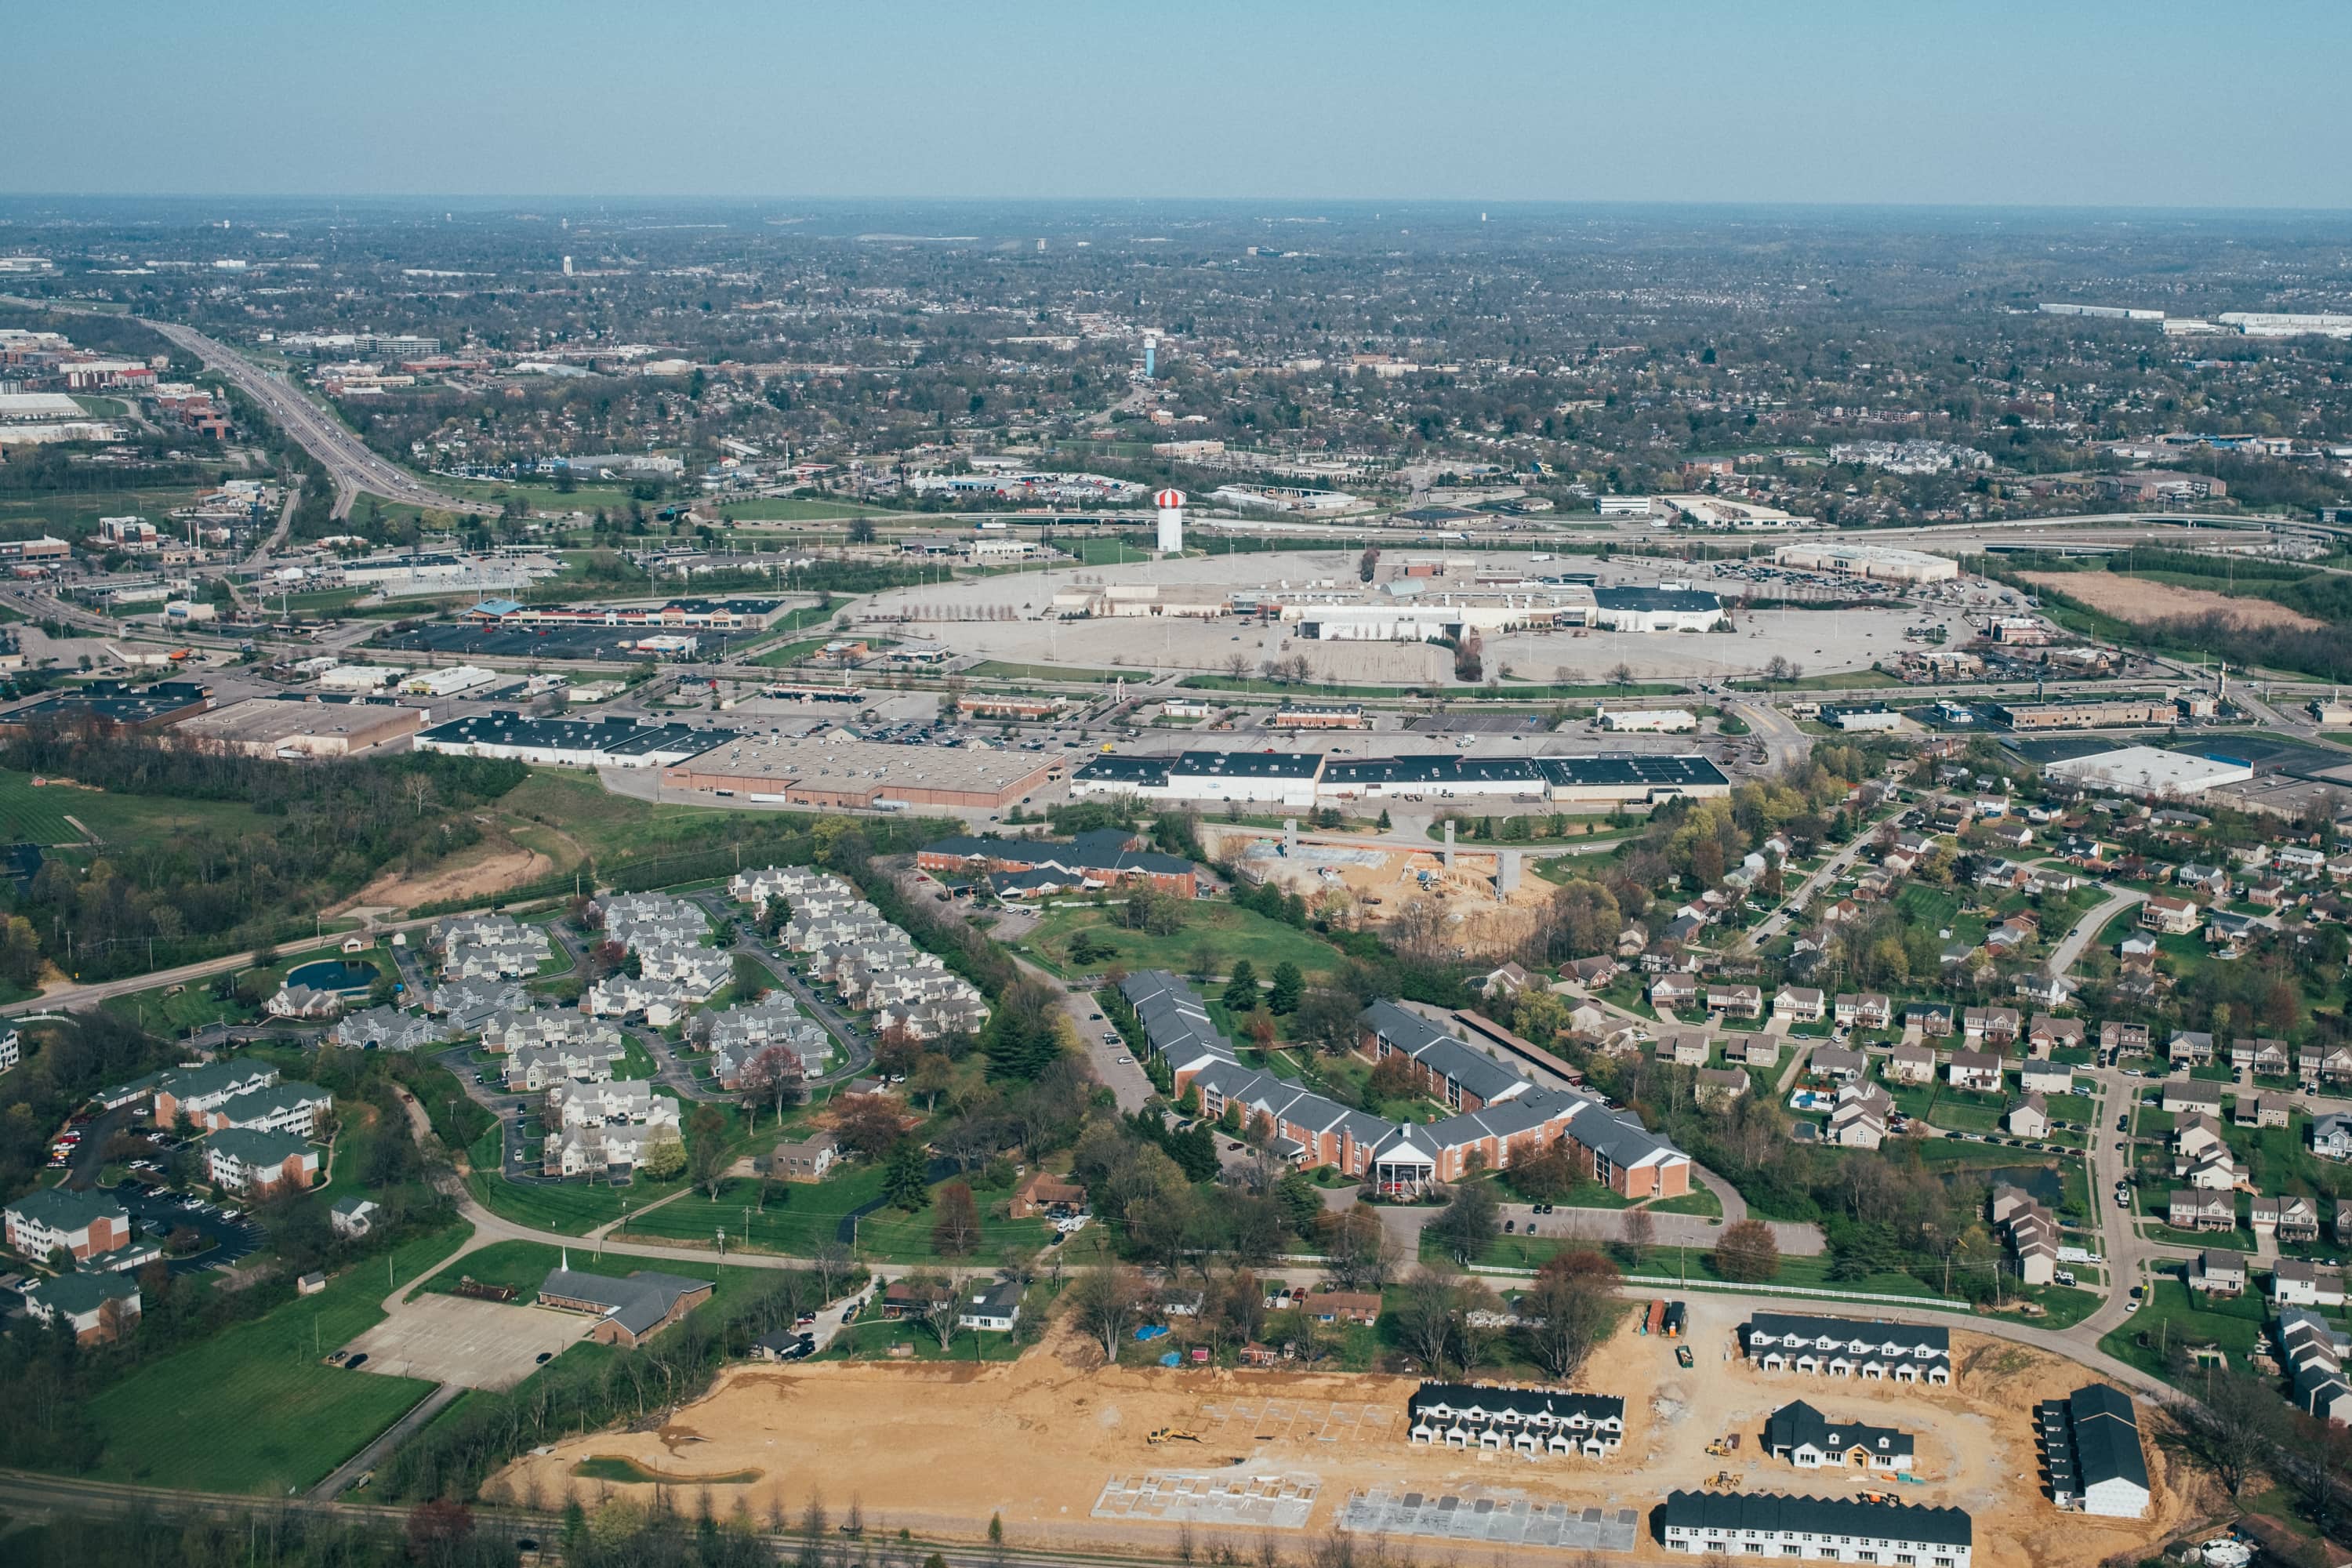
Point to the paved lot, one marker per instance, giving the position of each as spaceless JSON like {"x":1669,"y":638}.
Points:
{"x":481,"y":1344}
{"x":1502,"y":1517}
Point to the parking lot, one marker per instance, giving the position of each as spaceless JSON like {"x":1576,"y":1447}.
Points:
{"x":454,"y":1339}
{"x":159,"y":1214}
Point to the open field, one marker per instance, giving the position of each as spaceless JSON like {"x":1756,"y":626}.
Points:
{"x":1220,"y":931}
{"x":938,"y":1447}
{"x":70,"y":515}
{"x":39,"y":815}
{"x":2138,"y":600}
{"x":255,"y":1409}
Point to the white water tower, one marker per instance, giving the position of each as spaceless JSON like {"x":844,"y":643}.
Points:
{"x":1170,"y":503}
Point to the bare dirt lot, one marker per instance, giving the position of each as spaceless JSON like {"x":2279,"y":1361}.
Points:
{"x":938,"y":1449}
{"x":1384,"y":882}
{"x":2133,"y":599}
{"x":473,"y":875}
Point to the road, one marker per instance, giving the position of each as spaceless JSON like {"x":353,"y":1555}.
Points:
{"x":347,"y":459}
{"x":2086,"y":930}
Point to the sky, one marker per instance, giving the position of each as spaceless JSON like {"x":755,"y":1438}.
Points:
{"x":2072,"y":103}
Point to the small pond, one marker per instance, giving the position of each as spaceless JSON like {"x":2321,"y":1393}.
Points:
{"x":333,"y":974}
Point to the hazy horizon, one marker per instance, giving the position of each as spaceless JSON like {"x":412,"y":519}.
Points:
{"x":2003,"y":106}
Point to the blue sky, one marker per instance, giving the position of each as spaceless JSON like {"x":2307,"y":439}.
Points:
{"x":2154,"y":103}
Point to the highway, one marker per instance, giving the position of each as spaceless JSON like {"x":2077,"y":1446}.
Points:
{"x":325,"y":437}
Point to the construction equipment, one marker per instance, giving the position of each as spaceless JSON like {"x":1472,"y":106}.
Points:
{"x":1877,"y":1496}
{"x":1171,"y":1435}
{"x":1718,"y":1449}
{"x":1725,"y":1481}
{"x":1683,"y":1355}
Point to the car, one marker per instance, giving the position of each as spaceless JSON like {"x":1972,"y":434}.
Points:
{"x":1093,"y":1017}
{"x":1126,"y":1061}
{"x":1233,"y":1148}
{"x":2123,"y":1123}
{"x":1110,"y":1036}
{"x":357,"y":1357}
{"x":2120,"y":1145}
{"x":2130,"y":1307}
{"x":2137,"y":1291}
{"x":543,"y":1357}
{"x":1510,"y":1225}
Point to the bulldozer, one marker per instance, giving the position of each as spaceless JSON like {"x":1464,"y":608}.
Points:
{"x":1718,"y":1449}
{"x":1725,"y":1481}
{"x":1171,"y":1435}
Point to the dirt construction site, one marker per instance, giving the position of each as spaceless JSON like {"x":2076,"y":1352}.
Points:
{"x":1381,"y":881}
{"x":1055,"y":1446}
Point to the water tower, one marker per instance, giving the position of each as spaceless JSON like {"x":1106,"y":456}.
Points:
{"x":1150,"y":355}
{"x":1170,"y":503}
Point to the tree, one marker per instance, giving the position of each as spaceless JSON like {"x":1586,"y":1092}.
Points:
{"x":1425,"y":1314}
{"x":1469,"y":1223}
{"x":907,"y":1178}
{"x":1359,"y":1252}
{"x":664,"y":1155}
{"x":956,"y":1230}
{"x":1290,"y":987}
{"x":1241,"y":987}
{"x":707,"y":1157}
{"x":868,"y":1123}
{"x":2235,"y":1431}
{"x":1567,"y":1311}
{"x":772,"y":1076}
{"x":1106,"y":1303}
{"x":942,"y":1303}
{"x":1747,"y":1252}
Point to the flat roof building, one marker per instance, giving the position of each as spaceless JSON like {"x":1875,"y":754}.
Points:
{"x":111,"y":705}
{"x":2151,"y":771}
{"x":267,"y":727}
{"x":611,"y":742}
{"x":1877,"y":562}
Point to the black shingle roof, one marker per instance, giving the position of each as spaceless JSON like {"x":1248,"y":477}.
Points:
{"x":1729,"y":1513}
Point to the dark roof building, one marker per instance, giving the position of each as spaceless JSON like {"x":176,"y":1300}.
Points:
{"x":110,"y":705}
{"x":1810,"y":1440}
{"x":1848,"y":1347}
{"x":2090,"y":1444}
{"x":1736,"y":1524}
{"x":1521,"y":1420}
{"x":633,"y":1309}
{"x":613,"y":742}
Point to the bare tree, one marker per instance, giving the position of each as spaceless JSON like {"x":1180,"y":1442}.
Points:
{"x":1107,"y":1302}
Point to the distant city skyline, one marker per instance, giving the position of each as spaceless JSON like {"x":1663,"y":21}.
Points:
{"x":2160,"y":104}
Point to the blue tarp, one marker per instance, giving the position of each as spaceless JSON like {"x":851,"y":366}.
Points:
{"x":1151,"y":1331}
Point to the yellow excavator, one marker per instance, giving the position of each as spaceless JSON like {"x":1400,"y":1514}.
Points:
{"x":1171,"y":1435}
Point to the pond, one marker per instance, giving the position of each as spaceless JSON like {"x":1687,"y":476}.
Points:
{"x":333,"y":974}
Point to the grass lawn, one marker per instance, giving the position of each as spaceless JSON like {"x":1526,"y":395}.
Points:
{"x":1962,"y":1111}
{"x":1698,"y":1201}
{"x":523,"y":1264}
{"x":804,"y":1215}
{"x":997,"y":669}
{"x":195,"y":1006}
{"x":1225,"y":934}
{"x":609,"y":826}
{"x":68,"y":516}
{"x":2174,"y":1317}
{"x":119,"y":821}
{"x":255,"y":1409}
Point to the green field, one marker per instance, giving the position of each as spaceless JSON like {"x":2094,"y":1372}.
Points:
{"x":2173,"y":1317}
{"x":255,"y":1409}
{"x":118,"y":820}
{"x":1220,"y":931}
{"x":70,"y":516}
{"x":996,"y":669}
{"x":523,"y":1264}
{"x":800,"y":1217}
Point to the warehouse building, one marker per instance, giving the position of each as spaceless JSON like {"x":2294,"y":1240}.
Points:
{"x":110,"y":705}
{"x":858,"y":776}
{"x":1881,"y":562}
{"x":294,"y":728}
{"x":614,"y":742}
{"x":2151,"y":771}
{"x":1304,"y":779}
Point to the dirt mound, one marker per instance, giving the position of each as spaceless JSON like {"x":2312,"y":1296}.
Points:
{"x":471,"y":877}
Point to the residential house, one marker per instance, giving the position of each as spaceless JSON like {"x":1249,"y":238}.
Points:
{"x":1046,"y":1194}
{"x":2261,"y":1110}
{"x":991,"y":1309}
{"x":2174,"y":917}
{"x":1835,"y":1064}
{"x":1533,"y":1422}
{"x":1450,"y":1071}
{"x":2028,"y":1117}
{"x":2047,"y":1033}
{"x":2032,"y":1230}
{"x":1911,"y":1064}
{"x":2190,"y":1047}
{"x":2182,"y":1095}
{"x":2091,"y":1445}
{"x":2217,"y":1272}
{"x":808,"y":1159}
{"x":1752,"y":1050}
{"x":1861,"y":1117}
{"x":1726,"y":1524}
{"x":1740,"y":1001}
{"x":1865,"y":1010}
{"x":1973,"y":1069}
{"x":2264,"y":1058}
{"x":1715,"y":1088}
{"x":1933,"y":1019}
{"x":2195,"y":1210}
{"x":1683,"y":1048}
{"x":386,"y":1029}
{"x":2046,"y":1076}
{"x":353,"y":1216}
{"x":1801,"y":1436}
{"x":2331,"y":1135}
{"x":2297,"y":1282}
{"x":2118,"y":1039}
{"x":1799,"y":1003}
